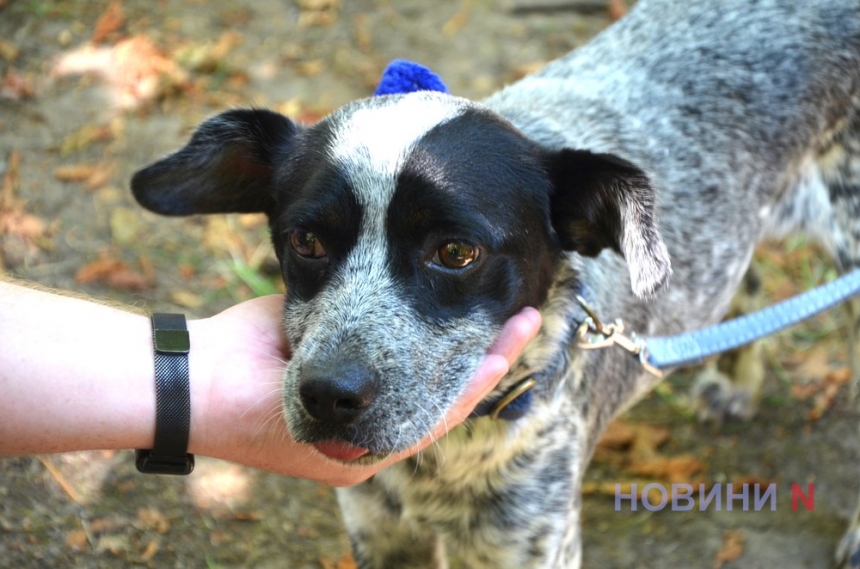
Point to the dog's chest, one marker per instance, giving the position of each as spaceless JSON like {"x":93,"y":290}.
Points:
{"x":489,"y":472}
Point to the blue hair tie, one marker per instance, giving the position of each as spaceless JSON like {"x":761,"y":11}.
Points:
{"x":403,"y":76}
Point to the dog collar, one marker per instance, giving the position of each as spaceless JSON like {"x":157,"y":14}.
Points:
{"x":511,"y":405}
{"x":402,"y":76}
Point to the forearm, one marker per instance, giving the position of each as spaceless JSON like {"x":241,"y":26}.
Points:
{"x":74,"y":375}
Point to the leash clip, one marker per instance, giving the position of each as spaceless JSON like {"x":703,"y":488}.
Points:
{"x":593,"y":334}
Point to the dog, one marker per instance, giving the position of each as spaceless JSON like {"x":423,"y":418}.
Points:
{"x":638,"y":172}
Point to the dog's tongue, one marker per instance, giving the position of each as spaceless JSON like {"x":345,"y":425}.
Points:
{"x":340,"y":450}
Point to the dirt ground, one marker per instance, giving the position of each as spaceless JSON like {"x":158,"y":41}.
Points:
{"x":90,"y":91}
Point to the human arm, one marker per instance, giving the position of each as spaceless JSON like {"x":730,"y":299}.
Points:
{"x":75,"y":375}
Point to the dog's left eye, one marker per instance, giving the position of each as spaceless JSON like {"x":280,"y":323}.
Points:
{"x":456,"y":255}
{"x":307,"y":244}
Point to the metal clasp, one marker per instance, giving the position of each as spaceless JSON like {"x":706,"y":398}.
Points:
{"x":509,"y":397}
{"x":593,"y":334}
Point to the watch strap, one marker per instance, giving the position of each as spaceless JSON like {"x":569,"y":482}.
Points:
{"x":169,"y":454}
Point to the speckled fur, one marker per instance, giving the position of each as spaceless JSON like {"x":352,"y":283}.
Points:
{"x":743,"y":114}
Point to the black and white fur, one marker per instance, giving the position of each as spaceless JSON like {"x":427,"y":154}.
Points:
{"x":684,"y":134}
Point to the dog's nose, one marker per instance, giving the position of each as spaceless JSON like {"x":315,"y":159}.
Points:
{"x":337,"y":394}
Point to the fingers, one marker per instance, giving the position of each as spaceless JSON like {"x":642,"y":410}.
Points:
{"x":518,"y":331}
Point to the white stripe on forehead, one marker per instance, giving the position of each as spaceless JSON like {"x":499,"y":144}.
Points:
{"x":372,"y":140}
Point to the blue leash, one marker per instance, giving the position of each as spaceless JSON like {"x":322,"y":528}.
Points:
{"x":691,"y":347}
{"x":663,"y":352}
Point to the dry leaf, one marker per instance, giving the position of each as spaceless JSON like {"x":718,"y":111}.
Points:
{"x":24,"y":225}
{"x":16,"y":86}
{"x":150,"y":518}
{"x":115,"y":274}
{"x":84,"y":136}
{"x":135,"y":69}
{"x":618,"y":435}
{"x":458,"y":21}
{"x":672,"y":468}
{"x":76,"y":172}
{"x":116,"y":544}
{"x":9,"y":51}
{"x":186,"y":299}
{"x":345,"y":562}
{"x":732,"y":548}
{"x":150,"y":551}
{"x":109,"y":22}
{"x":208,"y":57}
{"x":318,"y":12}
{"x":648,"y":438}
{"x":77,"y":540}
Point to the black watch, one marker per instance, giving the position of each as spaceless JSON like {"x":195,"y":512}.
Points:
{"x":169,"y":454}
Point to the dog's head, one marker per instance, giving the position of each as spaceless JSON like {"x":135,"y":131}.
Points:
{"x":408,"y":229}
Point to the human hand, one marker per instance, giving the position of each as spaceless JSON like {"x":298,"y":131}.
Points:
{"x":237,"y":361}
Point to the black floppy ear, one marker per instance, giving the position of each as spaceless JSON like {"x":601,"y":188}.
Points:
{"x":600,"y":201}
{"x":227,"y":166}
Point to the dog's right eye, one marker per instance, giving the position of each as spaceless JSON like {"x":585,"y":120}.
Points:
{"x":307,"y":244}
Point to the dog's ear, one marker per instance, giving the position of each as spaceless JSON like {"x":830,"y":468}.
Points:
{"x":600,"y":201}
{"x":227,"y":166}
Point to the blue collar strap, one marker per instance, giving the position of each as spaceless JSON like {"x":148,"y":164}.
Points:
{"x":403,"y":76}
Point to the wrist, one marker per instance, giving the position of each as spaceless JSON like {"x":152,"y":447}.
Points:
{"x":236,"y":364}
{"x":201,"y":370}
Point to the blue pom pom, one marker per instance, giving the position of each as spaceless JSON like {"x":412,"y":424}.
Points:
{"x":403,"y":76}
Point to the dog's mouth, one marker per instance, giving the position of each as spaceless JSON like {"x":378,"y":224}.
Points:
{"x":341,"y":451}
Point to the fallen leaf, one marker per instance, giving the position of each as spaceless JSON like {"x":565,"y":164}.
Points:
{"x":618,"y":435}
{"x":22,"y":224}
{"x":318,"y":12}
{"x":77,"y":540}
{"x":208,"y":57}
{"x":648,"y":439}
{"x":136,"y":71}
{"x":150,"y":551}
{"x":76,"y":172}
{"x":248,"y":516}
{"x":218,"y":538}
{"x":84,"y":136}
{"x":345,"y":562}
{"x":310,"y":68}
{"x":731,"y":549}
{"x":186,"y":299}
{"x":16,"y":86}
{"x":823,"y":401}
{"x":101,"y":525}
{"x":109,"y":22}
{"x":458,"y":21}
{"x":115,"y":274}
{"x":116,"y":544}
{"x":9,"y":51}
{"x":672,"y":468}
{"x":152,"y":519}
